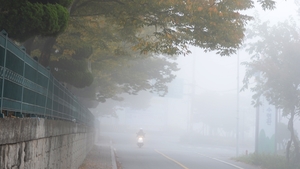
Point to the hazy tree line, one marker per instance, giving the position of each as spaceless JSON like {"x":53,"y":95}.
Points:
{"x":275,"y":68}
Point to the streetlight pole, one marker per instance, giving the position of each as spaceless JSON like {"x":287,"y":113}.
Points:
{"x":192,"y":95}
{"x":237,"y":105}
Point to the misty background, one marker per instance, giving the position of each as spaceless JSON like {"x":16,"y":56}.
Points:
{"x":205,"y":97}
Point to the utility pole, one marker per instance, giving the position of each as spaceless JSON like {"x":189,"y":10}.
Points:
{"x":192,"y":94}
{"x":237,"y":105}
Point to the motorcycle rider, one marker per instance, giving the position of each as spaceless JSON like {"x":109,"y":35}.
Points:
{"x":140,"y":133}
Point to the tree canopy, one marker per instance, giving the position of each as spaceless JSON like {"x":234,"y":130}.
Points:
{"x":209,"y":24}
{"x":25,"y":19}
{"x":275,"y":66}
{"x":87,"y":41}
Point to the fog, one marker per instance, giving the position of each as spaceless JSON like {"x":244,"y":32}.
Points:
{"x":204,"y":104}
{"x":214,"y":81}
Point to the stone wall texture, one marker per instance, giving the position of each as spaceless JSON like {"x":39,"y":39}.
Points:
{"x":33,"y":143}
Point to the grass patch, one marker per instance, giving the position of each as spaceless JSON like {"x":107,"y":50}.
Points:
{"x":264,"y":160}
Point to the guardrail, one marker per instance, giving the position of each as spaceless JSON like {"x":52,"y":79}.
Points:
{"x":28,"y":89}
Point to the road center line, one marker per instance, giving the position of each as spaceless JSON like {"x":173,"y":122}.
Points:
{"x":181,"y":165}
{"x":235,"y":166}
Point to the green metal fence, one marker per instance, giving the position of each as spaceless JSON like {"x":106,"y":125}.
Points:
{"x":28,"y":88}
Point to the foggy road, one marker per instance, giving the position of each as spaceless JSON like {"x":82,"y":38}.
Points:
{"x":165,"y":152}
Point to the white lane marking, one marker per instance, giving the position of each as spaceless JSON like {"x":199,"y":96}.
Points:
{"x":221,"y":161}
{"x":181,"y":165}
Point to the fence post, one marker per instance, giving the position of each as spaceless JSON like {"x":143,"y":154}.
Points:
{"x":52,"y":94}
{"x":46,"y":102}
{"x":23,"y":80}
{"x":4,"y":69}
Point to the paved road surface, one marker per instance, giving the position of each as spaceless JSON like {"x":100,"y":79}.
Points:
{"x":165,"y":152}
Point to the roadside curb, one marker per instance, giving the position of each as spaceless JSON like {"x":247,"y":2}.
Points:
{"x":113,"y":157}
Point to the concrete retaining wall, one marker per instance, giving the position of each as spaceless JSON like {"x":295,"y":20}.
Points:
{"x":28,"y":143}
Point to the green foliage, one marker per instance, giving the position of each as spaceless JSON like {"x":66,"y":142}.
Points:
{"x":113,"y":28}
{"x":275,"y":63}
{"x":56,"y":17}
{"x":175,"y":24}
{"x":134,"y":75}
{"x":267,"y":4}
{"x":64,"y":3}
{"x":266,"y":161}
{"x":72,"y":72}
{"x":76,"y":78}
{"x":83,"y":52}
{"x":117,"y":69}
{"x":120,"y":38}
{"x":22,"y":19}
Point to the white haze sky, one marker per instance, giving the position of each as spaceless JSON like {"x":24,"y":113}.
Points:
{"x":219,"y":74}
{"x":216,"y":73}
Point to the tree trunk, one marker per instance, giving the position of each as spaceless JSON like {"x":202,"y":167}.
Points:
{"x":46,"y":51}
{"x":28,"y":45}
{"x":293,"y":139}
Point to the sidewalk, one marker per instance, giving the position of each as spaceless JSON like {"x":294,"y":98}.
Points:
{"x":102,"y":156}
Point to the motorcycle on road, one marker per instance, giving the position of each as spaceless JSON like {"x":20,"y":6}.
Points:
{"x":140,"y":141}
